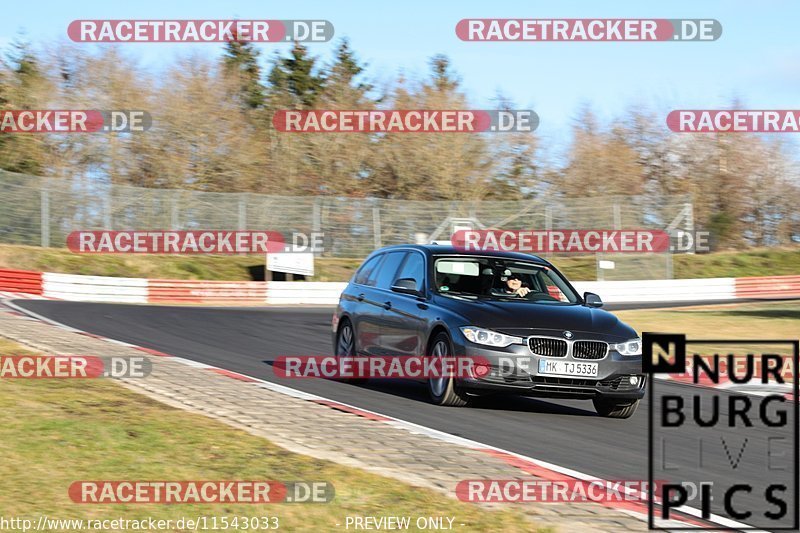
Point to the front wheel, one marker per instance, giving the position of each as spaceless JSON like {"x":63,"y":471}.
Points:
{"x":443,"y":390}
{"x":615,"y":408}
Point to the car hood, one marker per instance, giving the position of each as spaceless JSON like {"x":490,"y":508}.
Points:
{"x":523,"y":319}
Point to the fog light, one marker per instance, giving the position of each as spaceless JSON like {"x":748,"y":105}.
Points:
{"x":634,"y":380}
{"x":482,"y":370}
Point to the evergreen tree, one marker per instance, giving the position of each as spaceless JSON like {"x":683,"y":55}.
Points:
{"x":444,"y":80}
{"x":297,"y":76}
{"x":241,"y":60}
{"x":23,"y":90}
{"x":342,"y":85}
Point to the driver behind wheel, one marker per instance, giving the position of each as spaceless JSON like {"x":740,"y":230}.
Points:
{"x":514,"y":285}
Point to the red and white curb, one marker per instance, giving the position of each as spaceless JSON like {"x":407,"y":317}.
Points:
{"x":6,"y":295}
{"x":526,"y":464}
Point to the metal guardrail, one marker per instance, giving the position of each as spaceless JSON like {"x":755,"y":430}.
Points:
{"x":137,"y":290}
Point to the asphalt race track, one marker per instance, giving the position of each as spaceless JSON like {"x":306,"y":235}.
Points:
{"x":245,"y":340}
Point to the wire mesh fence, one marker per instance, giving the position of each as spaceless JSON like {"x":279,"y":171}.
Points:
{"x":43,"y":211}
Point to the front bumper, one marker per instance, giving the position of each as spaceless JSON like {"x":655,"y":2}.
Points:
{"x":514,"y":369}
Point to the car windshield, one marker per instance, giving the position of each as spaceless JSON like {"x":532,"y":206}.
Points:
{"x":494,"y":278}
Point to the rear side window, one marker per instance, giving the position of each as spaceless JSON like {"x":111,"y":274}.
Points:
{"x":413,"y":268}
{"x":366,"y":269}
{"x":374,"y":274}
{"x":388,"y":269}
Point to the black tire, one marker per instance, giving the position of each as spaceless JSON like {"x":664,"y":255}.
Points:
{"x":615,"y":408}
{"x":346,"y":347}
{"x":444,"y":391}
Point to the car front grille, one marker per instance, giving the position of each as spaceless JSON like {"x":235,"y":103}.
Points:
{"x":548,"y":347}
{"x":589,"y":349}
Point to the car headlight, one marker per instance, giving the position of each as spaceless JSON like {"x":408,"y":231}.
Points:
{"x":631,"y":347}
{"x":488,"y":337}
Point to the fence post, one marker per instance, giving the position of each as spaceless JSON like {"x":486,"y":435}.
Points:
{"x":107,"y":211}
{"x":173,"y":219}
{"x":376,"y":227}
{"x":316,"y":217}
{"x":45,"y":212}
{"x":316,"y":214}
{"x":242,"y":211}
{"x":548,"y":226}
{"x":688,"y":208}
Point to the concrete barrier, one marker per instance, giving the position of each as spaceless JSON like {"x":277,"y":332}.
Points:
{"x":78,"y":288}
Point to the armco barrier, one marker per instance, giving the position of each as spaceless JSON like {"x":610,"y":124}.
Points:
{"x":771,"y":287}
{"x":94,"y":288}
{"x":189,"y":291}
{"x":21,"y":281}
{"x":660,"y":290}
{"x":304,"y":292}
{"x":136,"y":290}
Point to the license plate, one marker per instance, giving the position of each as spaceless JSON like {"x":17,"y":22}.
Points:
{"x":567,"y":368}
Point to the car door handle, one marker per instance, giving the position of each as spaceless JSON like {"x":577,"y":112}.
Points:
{"x":360,"y":297}
{"x":387,"y":305}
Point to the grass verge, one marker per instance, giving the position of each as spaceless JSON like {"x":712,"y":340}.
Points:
{"x":773,"y":320}
{"x":54,"y":432}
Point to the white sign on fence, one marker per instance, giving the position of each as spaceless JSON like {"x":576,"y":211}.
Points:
{"x":291,"y":262}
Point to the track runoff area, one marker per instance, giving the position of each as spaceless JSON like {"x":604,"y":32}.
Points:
{"x":714,"y":438}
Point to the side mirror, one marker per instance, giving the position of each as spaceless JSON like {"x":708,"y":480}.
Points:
{"x":406,"y":286}
{"x":592,"y":300}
